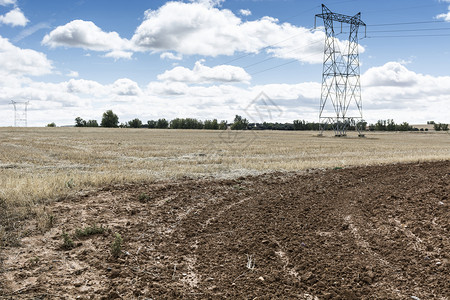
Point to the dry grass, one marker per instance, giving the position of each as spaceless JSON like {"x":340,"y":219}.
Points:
{"x":38,"y":165}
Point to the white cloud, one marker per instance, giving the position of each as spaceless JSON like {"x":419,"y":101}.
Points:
{"x":86,"y":35}
{"x":198,"y":28}
{"x":245,"y":12}
{"x":119,"y":54}
{"x":170,"y":55}
{"x":31,"y":30}
{"x":404,"y":95}
{"x":209,"y":3}
{"x":7,"y":2}
{"x":22,"y":62}
{"x":73,"y":74}
{"x":84,"y":87}
{"x":126,"y":87}
{"x":14,"y":18}
{"x":391,"y":74}
{"x":444,"y":16}
{"x":389,"y":91}
{"x":167,"y":88}
{"x":203,"y":74}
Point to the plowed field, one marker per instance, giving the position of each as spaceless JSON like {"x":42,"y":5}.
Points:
{"x":376,"y":232}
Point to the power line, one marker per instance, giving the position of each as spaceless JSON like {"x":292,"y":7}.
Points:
{"x":407,"y":23}
{"x":397,"y":9}
{"x":273,"y":57}
{"x":289,"y":38}
{"x":264,"y":48}
{"x":265,"y":70}
{"x":418,"y":29}
{"x":286,"y":63}
{"x":406,"y":36}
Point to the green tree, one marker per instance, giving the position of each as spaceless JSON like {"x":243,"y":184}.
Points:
{"x":404,"y":127}
{"x":79,"y":122}
{"x":444,"y":127}
{"x":211,"y":124}
{"x":300,"y":125}
{"x":151,"y":124}
{"x":162,"y":124}
{"x":92,"y":123}
{"x":51,"y":124}
{"x":239,"y":123}
{"x":135,"y":123}
{"x":223,"y":125}
{"x":109,"y":119}
{"x":390,"y":125}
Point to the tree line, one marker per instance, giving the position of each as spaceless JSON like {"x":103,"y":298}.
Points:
{"x":111,"y":120}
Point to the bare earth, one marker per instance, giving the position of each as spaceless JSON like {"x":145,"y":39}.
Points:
{"x":377,"y":232}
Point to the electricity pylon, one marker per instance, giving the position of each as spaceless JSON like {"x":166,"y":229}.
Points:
{"x":20,"y":113}
{"x":340,"y":101}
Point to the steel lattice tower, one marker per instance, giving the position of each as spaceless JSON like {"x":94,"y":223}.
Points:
{"x":341,"y":78}
{"x":20,"y":113}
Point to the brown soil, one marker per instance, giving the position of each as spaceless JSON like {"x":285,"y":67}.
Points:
{"x":379,"y":232}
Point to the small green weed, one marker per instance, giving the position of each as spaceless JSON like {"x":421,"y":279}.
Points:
{"x":33,"y":261}
{"x":144,"y":197}
{"x":67,"y":241}
{"x":70,"y":184}
{"x":116,"y":247}
{"x":90,"y":230}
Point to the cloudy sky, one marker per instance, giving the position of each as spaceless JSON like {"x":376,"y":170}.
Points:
{"x":210,"y":59}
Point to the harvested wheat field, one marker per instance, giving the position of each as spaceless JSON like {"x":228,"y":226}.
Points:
{"x":248,"y":223}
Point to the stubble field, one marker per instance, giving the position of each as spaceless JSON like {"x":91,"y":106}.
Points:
{"x":210,"y":214}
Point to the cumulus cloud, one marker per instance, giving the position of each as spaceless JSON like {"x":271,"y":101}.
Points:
{"x":205,"y":29}
{"x":22,"y":62}
{"x":86,"y":35}
{"x":126,"y":87}
{"x":167,"y":88}
{"x":119,"y":54}
{"x":402,"y":92}
{"x":195,"y":28}
{"x":73,"y":74}
{"x":203,"y":74}
{"x":389,"y":91}
{"x":7,"y":2}
{"x":390,"y":74}
{"x":445,"y":17}
{"x":14,"y":18}
{"x":245,"y":12}
{"x":84,"y":87}
{"x":170,"y":55}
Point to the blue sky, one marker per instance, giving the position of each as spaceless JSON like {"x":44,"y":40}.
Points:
{"x":210,"y":59}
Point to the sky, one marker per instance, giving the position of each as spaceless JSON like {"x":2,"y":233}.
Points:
{"x":214,"y":59}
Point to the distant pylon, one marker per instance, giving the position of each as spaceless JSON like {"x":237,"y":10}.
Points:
{"x":341,"y":86}
{"x":20,"y":113}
